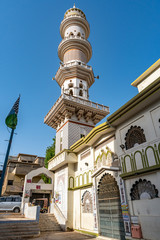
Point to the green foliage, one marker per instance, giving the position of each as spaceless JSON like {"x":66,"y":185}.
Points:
{"x":50,"y":153}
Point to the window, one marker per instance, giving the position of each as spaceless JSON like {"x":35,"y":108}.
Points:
{"x":9,"y":199}
{"x":2,"y":199}
{"x":16,"y":199}
{"x":81,"y":93}
{"x":71,"y":92}
{"x":70,"y":85}
{"x":134,"y":136}
{"x":82,"y":132}
{"x":80,"y":85}
{"x":79,"y":34}
{"x":10,"y":182}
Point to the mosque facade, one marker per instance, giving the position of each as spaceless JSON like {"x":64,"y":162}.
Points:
{"x":106,"y":177}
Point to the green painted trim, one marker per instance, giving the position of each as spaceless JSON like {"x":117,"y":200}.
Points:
{"x":92,"y":133}
{"x":122,"y":162}
{"x":153,"y":152}
{"x":125,"y":168}
{"x":140,"y":171}
{"x":86,"y":232}
{"x":143,"y":163}
{"x":100,"y":156}
{"x":134,"y":162}
{"x":145,"y":159}
{"x":83,"y":186}
{"x":157,"y":155}
{"x":159,"y":148}
{"x":85,"y":174}
{"x":77,"y":177}
{"x":140,"y":97}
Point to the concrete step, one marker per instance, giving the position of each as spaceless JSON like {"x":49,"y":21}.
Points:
{"x":48,"y":222}
{"x":18,"y":230}
{"x":20,"y":236}
{"x":11,"y":215}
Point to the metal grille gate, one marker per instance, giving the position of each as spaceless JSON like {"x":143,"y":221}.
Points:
{"x":110,"y":213}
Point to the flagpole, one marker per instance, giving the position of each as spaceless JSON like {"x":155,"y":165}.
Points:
{"x":6,"y":160}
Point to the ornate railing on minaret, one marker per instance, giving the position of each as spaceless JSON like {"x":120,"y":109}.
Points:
{"x":73,"y":115}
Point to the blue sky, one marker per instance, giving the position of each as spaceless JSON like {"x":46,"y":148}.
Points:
{"x":125,"y":38}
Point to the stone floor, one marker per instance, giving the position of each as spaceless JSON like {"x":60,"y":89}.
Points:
{"x":61,"y":236}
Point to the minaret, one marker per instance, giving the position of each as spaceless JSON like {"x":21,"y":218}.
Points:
{"x":73,"y":115}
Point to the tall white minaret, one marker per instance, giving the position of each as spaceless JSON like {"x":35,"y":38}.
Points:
{"x":73,"y":115}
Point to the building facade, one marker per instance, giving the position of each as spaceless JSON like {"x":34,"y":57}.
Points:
{"x":17,"y":168}
{"x":106,"y":178}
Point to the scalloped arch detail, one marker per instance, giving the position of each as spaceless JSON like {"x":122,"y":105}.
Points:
{"x":134,"y":135}
{"x":143,"y":189}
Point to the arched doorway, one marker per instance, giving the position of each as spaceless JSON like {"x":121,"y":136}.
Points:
{"x":110,"y":213}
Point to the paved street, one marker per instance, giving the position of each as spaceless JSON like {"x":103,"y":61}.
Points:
{"x":62,"y":236}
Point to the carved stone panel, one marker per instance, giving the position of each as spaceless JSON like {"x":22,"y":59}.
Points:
{"x":87,"y":205}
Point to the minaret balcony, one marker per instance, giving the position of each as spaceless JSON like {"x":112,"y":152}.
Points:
{"x":68,"y":105}
{"x":74,"y":20}
{"x":75,"y":69}
{"x":75,"y":42}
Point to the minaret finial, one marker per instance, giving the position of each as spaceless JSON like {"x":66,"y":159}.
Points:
{"x":74,"y":6}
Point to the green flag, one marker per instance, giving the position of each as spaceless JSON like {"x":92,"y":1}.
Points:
{"x":11,"y":119}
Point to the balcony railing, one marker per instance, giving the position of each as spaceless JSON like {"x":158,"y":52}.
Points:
{"x":75,"y":63}
{"x":77,"y":100}
{"x":62,"y":158}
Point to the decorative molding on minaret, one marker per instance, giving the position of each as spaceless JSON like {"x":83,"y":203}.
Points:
{"x":73,"y":110}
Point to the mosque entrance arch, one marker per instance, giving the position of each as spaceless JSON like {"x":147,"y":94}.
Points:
{"x":110,"y":214}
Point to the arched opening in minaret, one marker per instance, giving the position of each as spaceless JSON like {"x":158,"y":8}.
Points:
{"x":78,"y":35}
{"x":70,"y":85}
{"x":80,"y":85}
{"x":71,"y":34}
{"x":71,"y":92}
{"x":81,"y":93}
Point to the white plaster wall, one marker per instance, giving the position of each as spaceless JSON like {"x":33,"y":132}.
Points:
{"x":75,"y":29}
{"x":61,"y":189}
{"x":148,"y":120}
{"x":75,"y":88}
{"x":138,"y":206}
{"x":155,"y":115}
{"x":31,"y":211}
{"x":150,"y":227}
{"x":87,"y":219}
{"x":70,"y":209}
{"x":76,"y":206}
{"x":64,"y":139}
{"x":147,"y":81}
{"x":57,"y":148}
{"x":82,"y":161}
